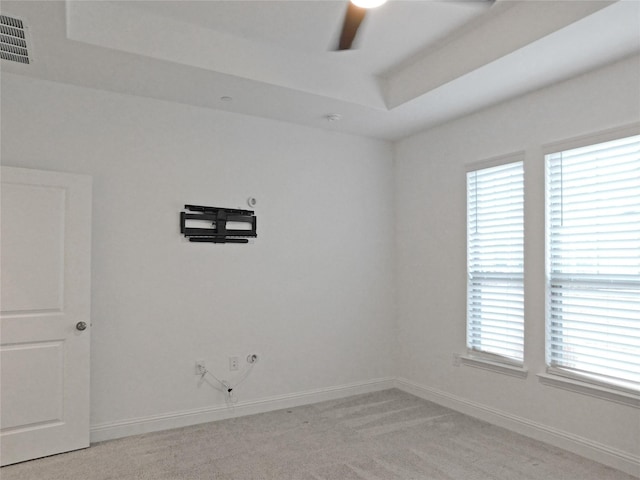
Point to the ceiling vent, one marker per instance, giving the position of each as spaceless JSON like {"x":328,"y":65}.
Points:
{"x":13,"y":40}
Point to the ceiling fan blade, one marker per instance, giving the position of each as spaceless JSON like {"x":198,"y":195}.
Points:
{"x":352,"y":21}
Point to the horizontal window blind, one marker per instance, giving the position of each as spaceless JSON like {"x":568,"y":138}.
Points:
{"x":495,"y":243}
{"x":593,"y":261}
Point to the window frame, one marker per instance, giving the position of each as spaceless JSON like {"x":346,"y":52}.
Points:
{"x":474,"y":357}
{"x":555,"y":376}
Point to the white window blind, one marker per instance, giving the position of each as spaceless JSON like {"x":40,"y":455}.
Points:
{"x":593,"y":262}
{"x":495,"y":241}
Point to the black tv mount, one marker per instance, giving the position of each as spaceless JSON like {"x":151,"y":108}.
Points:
{"x":218,"y":233}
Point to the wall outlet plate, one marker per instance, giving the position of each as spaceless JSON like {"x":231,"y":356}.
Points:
{"x":456,"y":360}
{"x":201,"y":368}
{"x":234,"y":363}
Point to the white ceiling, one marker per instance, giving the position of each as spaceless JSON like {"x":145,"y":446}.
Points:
{"x":418,"y":63}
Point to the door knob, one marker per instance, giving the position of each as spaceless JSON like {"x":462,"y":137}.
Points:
{"x":81,"y":326}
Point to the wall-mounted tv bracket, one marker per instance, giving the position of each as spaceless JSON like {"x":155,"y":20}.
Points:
{"x":218,"y":217}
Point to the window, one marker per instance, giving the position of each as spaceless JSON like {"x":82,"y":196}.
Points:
{"x":593,"y":262}
{"x":495,"y":241}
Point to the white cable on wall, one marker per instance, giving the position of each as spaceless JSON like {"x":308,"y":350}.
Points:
{"x":229,"y":388}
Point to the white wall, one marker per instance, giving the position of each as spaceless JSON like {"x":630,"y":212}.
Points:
{"x":313,"y":295}
{"x":431,"y":258}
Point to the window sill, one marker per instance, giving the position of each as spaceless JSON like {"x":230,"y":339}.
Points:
{"x":590,"y":389}
{"x":503,"y":368}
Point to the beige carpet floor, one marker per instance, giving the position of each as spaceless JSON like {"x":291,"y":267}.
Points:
{"x":386,"y":435}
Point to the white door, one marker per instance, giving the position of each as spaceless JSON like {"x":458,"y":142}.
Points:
{"x":45,"y":241}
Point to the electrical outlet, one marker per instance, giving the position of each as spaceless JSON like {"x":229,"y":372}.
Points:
{"x":456,"y":360}
{"x":201,"y":368}
{"x":234,"y":363}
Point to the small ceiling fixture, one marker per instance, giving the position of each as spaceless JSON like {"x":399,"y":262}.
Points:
{"x":368,"y":3}
{"x":333,"y":117}
{"x":355,"y":15}
{"x":226,"y":98}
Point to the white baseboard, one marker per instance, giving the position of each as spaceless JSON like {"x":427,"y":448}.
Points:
{"x":154,"y":423}
{"x":612,"y":457}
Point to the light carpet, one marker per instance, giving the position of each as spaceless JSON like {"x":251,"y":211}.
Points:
{"x":388,"y":435}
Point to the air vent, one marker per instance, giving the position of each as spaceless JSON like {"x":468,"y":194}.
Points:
{"x":13,"y":41}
